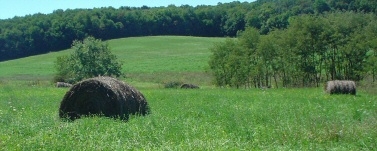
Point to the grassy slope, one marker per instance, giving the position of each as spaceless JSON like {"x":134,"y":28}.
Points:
{"x":203,"y":119}
{"x":146,"y":59}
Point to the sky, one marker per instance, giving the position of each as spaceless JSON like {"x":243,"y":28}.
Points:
{"x":11,"y":8}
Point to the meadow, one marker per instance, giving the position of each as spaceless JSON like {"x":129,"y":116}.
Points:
{"x":209,"y":118}
{"x":151,"y":59}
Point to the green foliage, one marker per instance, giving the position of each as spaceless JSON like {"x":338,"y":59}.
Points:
{"x":313,"y":49}
{"x":64,"y":73}
{"x":371,"y":30}
{"x":226,"y":63}
{"x":232,"y":62}
{"x":321,"y":6}
{"x":91,"y":58}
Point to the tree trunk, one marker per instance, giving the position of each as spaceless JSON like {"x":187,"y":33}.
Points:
{"x":276,"y":82}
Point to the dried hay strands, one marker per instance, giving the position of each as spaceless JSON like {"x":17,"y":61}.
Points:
{"x":63,"y":85}
{"x":341,"y":87}
{"x":103,"y":96}
{"x":189,"y":86}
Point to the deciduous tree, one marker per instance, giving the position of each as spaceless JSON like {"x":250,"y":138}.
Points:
{"x":91,"y":58}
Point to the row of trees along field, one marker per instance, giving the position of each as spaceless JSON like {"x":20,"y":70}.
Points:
{"x":41,"y":33}
{"x":311,"y":50}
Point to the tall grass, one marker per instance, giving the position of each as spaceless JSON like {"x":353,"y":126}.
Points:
{"x":203,"y":119}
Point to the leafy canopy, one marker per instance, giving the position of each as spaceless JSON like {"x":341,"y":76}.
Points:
{"x":91,"y":58}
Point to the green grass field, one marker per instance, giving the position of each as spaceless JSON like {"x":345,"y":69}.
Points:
{"x":152,"y":59}
{"x":202,"y":119}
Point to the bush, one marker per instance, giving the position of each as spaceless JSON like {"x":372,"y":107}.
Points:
{"x":91,"y":58}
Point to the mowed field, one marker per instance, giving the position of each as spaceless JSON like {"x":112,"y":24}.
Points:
{"x":153,"y":59}
{"x":209,"y":118}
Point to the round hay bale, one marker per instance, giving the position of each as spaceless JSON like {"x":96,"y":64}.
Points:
{"x":340,"y":87}
{"x":189,"y":86}
{"x":102,"y":96}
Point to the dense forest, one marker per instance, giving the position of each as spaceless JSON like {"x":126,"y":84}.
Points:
{"x":42,"y":33}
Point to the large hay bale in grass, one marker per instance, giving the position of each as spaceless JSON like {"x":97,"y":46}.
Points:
{"x":189,"y":86}
{"x":341,"y":87}
{"x":102,"y":96}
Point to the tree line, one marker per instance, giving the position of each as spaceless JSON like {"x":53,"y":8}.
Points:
{"x":314,"y":48}
{"x":42,"y":33}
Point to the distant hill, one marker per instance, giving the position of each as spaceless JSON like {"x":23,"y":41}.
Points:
{"x":40,"y":33}
{"x":151,"y":59}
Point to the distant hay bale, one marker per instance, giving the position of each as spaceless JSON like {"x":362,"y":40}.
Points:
{"x":341,"y":87}
{"x":189,"y":86}
{"x":103,"y":96}
{"x":172,"y":84}
{"x":63,"y":85}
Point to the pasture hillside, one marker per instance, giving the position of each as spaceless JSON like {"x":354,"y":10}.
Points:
{"x":152,"y":59}
{"x":182,"y":119}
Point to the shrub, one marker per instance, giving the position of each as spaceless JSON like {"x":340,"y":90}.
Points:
{"x":91,"y":58}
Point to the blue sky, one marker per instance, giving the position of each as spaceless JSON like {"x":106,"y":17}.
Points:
{"x":11,"y":8}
